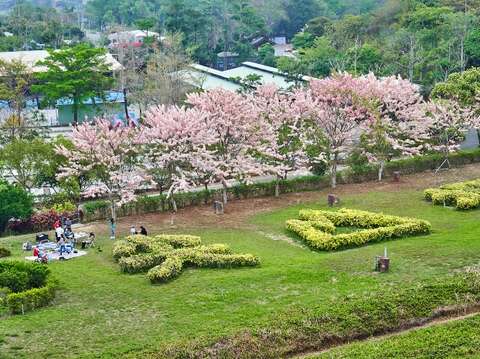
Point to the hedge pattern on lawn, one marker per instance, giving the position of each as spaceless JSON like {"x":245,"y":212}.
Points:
{"x":164,"y":256}
{"x":317,"y":228}
{"x":25,"y":286}
{"x":462,"y":195}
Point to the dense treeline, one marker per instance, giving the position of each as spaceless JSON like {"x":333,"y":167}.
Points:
{"x":422,"y":40}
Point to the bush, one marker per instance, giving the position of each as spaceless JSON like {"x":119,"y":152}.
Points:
{"x":164,"y":256}
{"x":166,"y":271}
{"x":462,"y":195}
{"x":32,"y":299}
{"x":379,"y":227}
{"x":63,"y":207}
{"x":15,"y":202}
{"x":25,"y":286}
{"x":179,"y":241}
{"x":4,"y":252}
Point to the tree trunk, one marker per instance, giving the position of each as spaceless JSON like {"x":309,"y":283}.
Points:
{"x":334,"y":172}
{"x":380,"y":170}
{"x":75,"y":110}
{"x":113,"y":209}
{"x":205,"y":200}
{"x":174,"y":204}
{"x":125,"y":104}
{"x":224,"y":191}
{"x":277,"y":187}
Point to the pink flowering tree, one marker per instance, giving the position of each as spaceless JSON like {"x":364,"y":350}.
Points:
{"x":176,"y":143}
{"x":281,"y":150}
{"x":109,"y":157}
{"x":395,"y":128}
{"x":446,"y":126}
{"x":237,"y":134}
{"x":333,"y":109}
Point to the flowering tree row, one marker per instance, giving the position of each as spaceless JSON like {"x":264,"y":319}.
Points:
{"x":220,"y":135}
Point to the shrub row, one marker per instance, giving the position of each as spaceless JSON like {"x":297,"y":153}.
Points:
{"x":96,"y":210}
{"x":141,"y":262}
{"x":164,"y":256}
{"x":319,"y":327}
{"x":172,"y":266}
{"x":32,"y":299}
{"x":25,"y":286}
{"x":462,"y":195}
{"x":39,"y":221}
{"x":168,"y":270}
{"x":19,"y":276}
{"x":379,"y":227}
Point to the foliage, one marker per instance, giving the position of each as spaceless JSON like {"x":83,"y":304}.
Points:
{"x":462,"y":195}
{"x":97,"y":210}
{"x":316,"y":228}
{"x":463,"y":88}
{"x":164,"y":256}
{"x":14,"y":88}
{"x":77,"y":73}
{"x":14,"y":202}
{"x":108,"y":161}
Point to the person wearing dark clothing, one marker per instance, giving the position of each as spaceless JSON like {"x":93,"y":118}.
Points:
{"x":143,"y":231}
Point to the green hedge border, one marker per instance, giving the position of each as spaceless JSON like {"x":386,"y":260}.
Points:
{"x":19,"y":303}
{"x":100,"y":210}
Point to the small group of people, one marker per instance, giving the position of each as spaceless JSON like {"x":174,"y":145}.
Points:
{"x":133,"y":229}
{"x":63,"y":229}
{"x":143,"y":231}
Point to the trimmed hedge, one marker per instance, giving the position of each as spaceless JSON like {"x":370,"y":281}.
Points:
{"x":462,"y":195}
{"x":315,"y":228}
{"x":164,"y":256}
{"x":32,"y":299}
{"x":318,"y":327}
{"x":99,"y":209}
{"x":27,"y":286}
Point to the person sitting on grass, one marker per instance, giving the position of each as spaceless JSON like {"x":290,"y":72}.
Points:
{"x":90,"y":241}
{"x":143,"y":231}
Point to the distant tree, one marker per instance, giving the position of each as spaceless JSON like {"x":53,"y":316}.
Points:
{"x":14,"y":88}
{"x":109,"y":156}
{"x":463,"y":88}
{"x":165,"y":79}
{"x":15,"y":202}
{"x":23,"y":160}
{"x":266,"y":54}
{"x":76,"y":73}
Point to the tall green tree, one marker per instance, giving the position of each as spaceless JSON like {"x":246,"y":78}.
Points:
{"x":76,"y":73}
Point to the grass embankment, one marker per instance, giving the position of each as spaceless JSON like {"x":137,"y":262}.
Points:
{"x":457,"y":339}
{"x":101,"y":312}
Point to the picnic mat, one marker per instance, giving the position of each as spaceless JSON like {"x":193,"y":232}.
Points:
{"x":56,"y":256}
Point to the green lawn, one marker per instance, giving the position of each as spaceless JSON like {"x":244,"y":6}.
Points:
{"x":459,"y":339}
{"x":100,"y":312}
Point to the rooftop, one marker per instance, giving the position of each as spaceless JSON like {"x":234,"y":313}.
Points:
{"x":207,"y":78}
{"x":30,"y":59}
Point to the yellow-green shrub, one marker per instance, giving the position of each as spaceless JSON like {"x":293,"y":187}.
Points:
{"x":378,"y":227}
{"x":164,"y":256}
{"x":462,"y":195}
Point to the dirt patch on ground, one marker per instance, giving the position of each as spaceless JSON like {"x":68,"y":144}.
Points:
{"x":237,"y":212}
